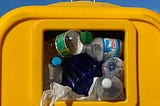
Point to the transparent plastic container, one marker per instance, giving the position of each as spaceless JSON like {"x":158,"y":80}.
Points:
{"x":109,"y":89}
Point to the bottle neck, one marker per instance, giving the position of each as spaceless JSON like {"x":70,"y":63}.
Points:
{"x":85,"y":48}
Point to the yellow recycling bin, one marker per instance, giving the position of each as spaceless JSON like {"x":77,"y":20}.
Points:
{"x":22,"y":33}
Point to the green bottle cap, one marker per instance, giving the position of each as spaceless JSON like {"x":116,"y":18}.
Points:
{"x":86,"y":37}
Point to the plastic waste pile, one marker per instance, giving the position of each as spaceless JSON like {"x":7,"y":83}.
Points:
{"x":85,"y":68}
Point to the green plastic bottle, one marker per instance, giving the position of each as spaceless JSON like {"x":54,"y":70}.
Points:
{"x":72,"y":42}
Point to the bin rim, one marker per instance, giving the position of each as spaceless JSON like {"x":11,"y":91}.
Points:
{"x":96,"y":11}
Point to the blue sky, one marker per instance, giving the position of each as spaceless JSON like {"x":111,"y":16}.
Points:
{"x":6,"y":5}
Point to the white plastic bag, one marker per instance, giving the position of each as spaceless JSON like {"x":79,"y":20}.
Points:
{"x":59,"y":92}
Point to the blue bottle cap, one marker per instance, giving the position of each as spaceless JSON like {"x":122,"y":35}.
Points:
{"x":56,"y":61}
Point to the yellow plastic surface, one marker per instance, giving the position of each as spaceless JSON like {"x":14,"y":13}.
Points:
{"x":148,"y":64}
{"x":93,"y":24}
{"x":21,"y":49}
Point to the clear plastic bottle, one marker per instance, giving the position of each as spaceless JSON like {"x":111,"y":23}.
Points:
{"x":112,"y":66}
{"x":55,"y":70}
{"x":109,"y":89}
{"x":71,"y":42}
{"x":102,"y":48}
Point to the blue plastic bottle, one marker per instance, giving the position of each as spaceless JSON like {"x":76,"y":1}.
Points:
{"x":71,"y":79}
{"x":81,"y":69}
{"x":71,"y":73}
{"x":78,"y":71}
{"x":93,"y":67}
{"x":68,"y":81}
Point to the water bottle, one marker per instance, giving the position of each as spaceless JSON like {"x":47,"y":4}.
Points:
{"x":71,"y":72}
{"x":93,"y":68}
{"x":84,"y":86}
{"x":70,"y":42}
{"x":71,"y":79}
{"x":55,"y":70}
{"x":82,"y":68}
{"x":113,"y":66}
{"x":68,"y":81}
{"x":102,"y":48}
{"x":109,"y":89}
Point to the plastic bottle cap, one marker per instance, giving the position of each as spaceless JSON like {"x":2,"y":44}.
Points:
{"x":107,"y":83}
{"x":56,"y":61}
{"x":86,"y":37}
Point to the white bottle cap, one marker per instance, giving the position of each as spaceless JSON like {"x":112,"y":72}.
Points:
{"x":107,"y":83}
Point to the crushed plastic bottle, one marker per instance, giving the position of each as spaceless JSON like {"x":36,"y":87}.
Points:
{"x":81,"y":69}
{"x":112,"y":66}
{"x":102,"y":48}
{"x":109,"y":89}
{"x":55,"y":70}
{"x":68,"y":81}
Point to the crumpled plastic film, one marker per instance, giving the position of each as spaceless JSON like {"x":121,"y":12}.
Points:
{"x":60,"y":92}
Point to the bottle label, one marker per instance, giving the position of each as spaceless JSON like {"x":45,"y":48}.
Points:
{"x":111,"y":47}
{"x":61,"y":46}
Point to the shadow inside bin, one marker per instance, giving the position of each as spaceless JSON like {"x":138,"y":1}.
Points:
{"x":69,"y":102}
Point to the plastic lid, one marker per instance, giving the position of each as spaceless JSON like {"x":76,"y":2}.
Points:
{"x":86,"y":37}
{"x":56,"y":61}
{"x":107,"y":83}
